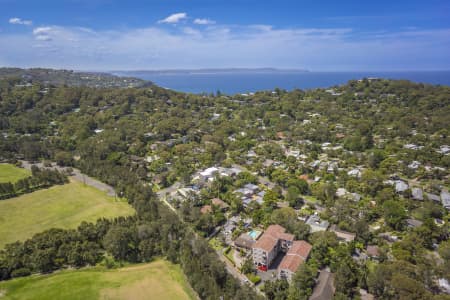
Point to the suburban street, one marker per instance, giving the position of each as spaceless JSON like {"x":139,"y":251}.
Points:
{"x":229,"y":266}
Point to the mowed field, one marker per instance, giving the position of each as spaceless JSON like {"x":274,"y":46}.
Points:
{"x":11,"y":173}
{"x":62,"y":206}
{"x":153,"y":281}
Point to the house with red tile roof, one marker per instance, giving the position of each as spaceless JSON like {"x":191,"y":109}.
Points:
{"x":297,"y":254}
{"x":219,"y":203}
{"x":206,"y":209}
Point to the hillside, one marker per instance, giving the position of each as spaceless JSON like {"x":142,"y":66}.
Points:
{"x":360,"y":172}
{"x":70,"y":78}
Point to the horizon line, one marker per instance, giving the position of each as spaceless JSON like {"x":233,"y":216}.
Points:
{"x":226,"y":68}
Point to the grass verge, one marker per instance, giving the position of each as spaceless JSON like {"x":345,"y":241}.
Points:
{"x":11,"y":173}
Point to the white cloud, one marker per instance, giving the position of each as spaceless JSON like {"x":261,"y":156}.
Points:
{"x":42,"y":30}
{"x":204,"y":22}
{"x":174,"y":18}
{"x":19,"y":21}
{"x":44,"y":34}
{"x":44,"y":38}
{"x":225,"y":46}
{"x":192,"y":32}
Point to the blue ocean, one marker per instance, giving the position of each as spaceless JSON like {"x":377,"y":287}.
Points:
{"x":233,"y":83}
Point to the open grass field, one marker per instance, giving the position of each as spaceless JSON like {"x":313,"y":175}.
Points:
{"x":11,"y":173}
{"x":153,"y":281}
{"x":62,"y":206}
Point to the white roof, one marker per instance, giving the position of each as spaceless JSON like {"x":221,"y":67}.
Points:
{"x":400,"y":186}
{"x":209,"y":172}
{"x":445,"y":197}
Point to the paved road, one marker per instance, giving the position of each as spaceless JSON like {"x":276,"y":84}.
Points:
{"x":231,"y":268}
{"x":77,"y":175}
{"x":169,"y":190}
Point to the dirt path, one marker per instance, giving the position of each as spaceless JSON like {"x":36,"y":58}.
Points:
{"x":77,"y":175}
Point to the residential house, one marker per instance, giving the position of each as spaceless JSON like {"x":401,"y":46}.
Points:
{"x":229,"y":172}
{"x":341,"y":192}
{"x":332,"y":166}
{"x":152,"y":158}
{"x":373,"y":251}
{"x":268,"y":162}
{"x":412,"y":223}
{"x":229,"y":227}
{"x":219,"y":203}
{"x":388,"y":237}
{"x":444,"y":149}
{"x":433,"y":197}
{"x":354,"y":173}
{"x":414,"y":165}
{"x":401,"y":186}
{"x":206,"y":175}
{"x":259,"y":198}
{"x":206,"y":209}
{"x":267,"y":247}
{"x":412,"y":147}
{"x":250,"y":193}
{"x":244,"y":241}
{"x":209,"y":172}
{"x":317,"y":224}
{"x":244,"y":192}
{"x":417,"y":194}
{"x":252,"y":187}
{"x":444,"y":285}
{"x":297,"y":254}
{"x":355,"y":197}
{"x":343,"y":235}
{"x":366,"y":295}
{"x":445,"y":196}
{"x":292,"y":152}
{"x":251,"y":153}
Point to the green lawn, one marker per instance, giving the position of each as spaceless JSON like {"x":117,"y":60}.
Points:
{"x":11,"y":173}
{"x":215,"y":244}
{"x":310,"y":199}
{"x":156,"y":280}
{"x":62,"y":206}
{"x":230,"y":256}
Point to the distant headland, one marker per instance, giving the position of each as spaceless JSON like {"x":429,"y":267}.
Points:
{"x":210,"y":71}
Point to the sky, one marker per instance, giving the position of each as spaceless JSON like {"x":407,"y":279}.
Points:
{"x":345,"y":35}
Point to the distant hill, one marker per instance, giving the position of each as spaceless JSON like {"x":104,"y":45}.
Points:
{"x":71,"y":78}
{"x":208,"y":71}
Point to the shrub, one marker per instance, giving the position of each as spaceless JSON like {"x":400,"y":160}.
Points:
{"x":20,"y":272}
{"x":255,"y":279}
